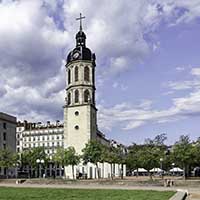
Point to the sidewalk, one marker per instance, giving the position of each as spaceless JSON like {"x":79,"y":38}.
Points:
{"x":77,"y":186}
{"x":194,"y":194}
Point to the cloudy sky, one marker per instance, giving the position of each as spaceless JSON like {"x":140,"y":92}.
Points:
{"x":148,"y":63}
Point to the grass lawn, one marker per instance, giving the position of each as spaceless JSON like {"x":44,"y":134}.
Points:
{"x":80,"y":194}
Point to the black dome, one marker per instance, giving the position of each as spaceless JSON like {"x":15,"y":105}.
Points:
{"x":81,"y":52}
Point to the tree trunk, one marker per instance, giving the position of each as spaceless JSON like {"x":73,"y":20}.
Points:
{"x":184,"y":172}
{"x":111,"y":174}
{"x":6,"y":172}
{"x":150,"y":176}
{"x":73,"y":171}
{"x":97,"y":171}
{"x":29,"y":172}
{"x":103,"y":171}
{"x":122,"y":171}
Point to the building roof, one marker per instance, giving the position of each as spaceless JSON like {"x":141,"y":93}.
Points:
{"x":7,"y":117}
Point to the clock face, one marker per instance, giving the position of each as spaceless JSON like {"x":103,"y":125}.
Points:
{"x":76,"y":55}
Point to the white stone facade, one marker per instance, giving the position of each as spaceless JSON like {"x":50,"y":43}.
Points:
{"x":31,"y":135}
{"x":80,"y":124}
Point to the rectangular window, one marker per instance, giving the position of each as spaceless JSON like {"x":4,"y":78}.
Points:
{"x":4,"y":125}
{"x":4,"y":136}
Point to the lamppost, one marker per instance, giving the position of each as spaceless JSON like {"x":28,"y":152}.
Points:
{"x":39,"y":162}
{"x":161,"y":166}
{"x":16,"y":165}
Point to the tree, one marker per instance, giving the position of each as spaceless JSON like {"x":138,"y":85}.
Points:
{"x":93,"y":152}
{"x":59,"y":159}
{"x":133,"y":159}
{"x":29,"y":157}
{"x":59,"y":156}
{"x":71,"y":158}
{"x":197,"y":152}
{"x":183,"y":153}
{"x":151,"y":157}
{"x":159,"y":140}
{"x":147,"y":155}
{"x":8,"y":159}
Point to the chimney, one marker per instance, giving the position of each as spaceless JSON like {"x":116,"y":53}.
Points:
{"x":39,"y":124}
{"x":48,"y":123}
{"x":57,"y":123}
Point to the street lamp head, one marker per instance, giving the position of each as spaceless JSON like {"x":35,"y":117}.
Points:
{"x":38,"y":161}
{"x":42,"y":161}
{"x":161,"y":159}
{"x":173,"y":164}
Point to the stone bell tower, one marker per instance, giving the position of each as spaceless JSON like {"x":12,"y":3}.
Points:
{"x":80,"y":124}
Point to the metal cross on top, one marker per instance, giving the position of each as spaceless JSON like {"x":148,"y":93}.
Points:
{"x":80,"y":18}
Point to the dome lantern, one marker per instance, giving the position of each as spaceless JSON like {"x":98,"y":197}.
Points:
{"x":81,"y":52}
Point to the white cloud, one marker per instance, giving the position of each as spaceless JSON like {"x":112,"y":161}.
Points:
{"x":182,"y":85}
{"x":133,"y":116}
{"x":195,"y":71}
{"x":180,"y":68}
{"x":188,"y":84}
{"x":32,"y":79}
{"x":121,"y":86}
{"x":34,"y":35}
{"x":134,"y":124}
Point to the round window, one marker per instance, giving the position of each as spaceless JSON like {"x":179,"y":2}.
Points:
{"x":76,"y":127}
{"x":76,"y":113}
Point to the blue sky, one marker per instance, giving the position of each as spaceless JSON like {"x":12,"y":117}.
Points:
{"x":148,"y":68}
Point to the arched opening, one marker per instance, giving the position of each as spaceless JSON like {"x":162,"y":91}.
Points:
{"x":86,"y":96}
{"x":86,"y":73}
{"x":76,"y":73}
{"x":69,"y":76}
{"x":76,"y":96}
{"x":93,"y":75}
{"x":69,"y":99}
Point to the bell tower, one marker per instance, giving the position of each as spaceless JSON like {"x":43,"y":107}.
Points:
{"x":80,"y":124}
